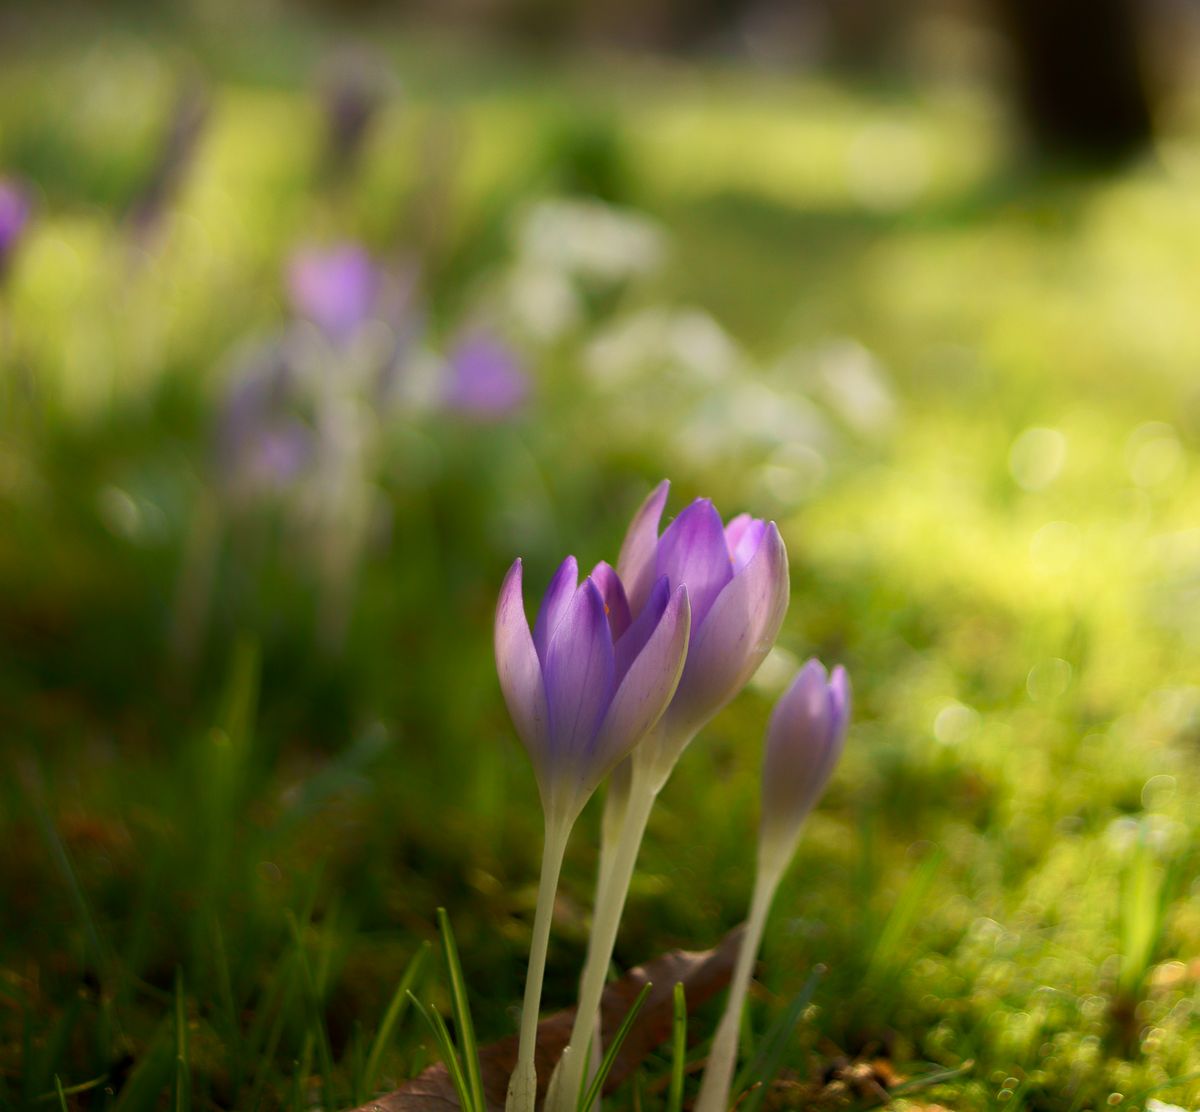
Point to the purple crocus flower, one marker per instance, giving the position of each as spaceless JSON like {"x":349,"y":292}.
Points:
{"x":486,"y":382}
{"x":14,"y":215}
{"x":804,"y":741}
{"x":737,"y":580}
{"x":337,"y":288}
{"x":591,"y":680}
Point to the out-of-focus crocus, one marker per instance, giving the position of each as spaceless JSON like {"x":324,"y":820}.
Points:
{"x":584,"y":687}
{"x":485,"y":382}
{"x":804,"y":741}
{"x":337,"y":288}
{"x":737,"y":580}
{"x":14,"y":215}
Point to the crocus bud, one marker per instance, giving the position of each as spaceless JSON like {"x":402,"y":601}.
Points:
{"x":14,"y":215}
{"x":804,"y":741}
{"x":591,"y":680}
{"x":485,"y":381}
{"x":737,"y":581}
{"x":337,"y":289}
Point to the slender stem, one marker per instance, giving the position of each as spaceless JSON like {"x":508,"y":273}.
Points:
{"x":522,"y":1086}
{"x":605,"y":922}
{"x":718,"y":1074}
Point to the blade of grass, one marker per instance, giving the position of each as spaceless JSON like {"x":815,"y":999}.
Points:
{"x":766,"y":1063}
{"x":678,"y":1050}
{"x":449,"y":1057}
{"x":393,"y":1015}
{"x":62,"y":1097}
{"x":462,"y":1011}
{"x":182,"y":1098}
{"x":610,"y":1055}
{"x":316,"y":1021}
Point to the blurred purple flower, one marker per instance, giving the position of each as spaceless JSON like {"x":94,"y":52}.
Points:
{"x":591,"y":680}
{"x":336,"y":288}
{"x":486,"y":381}
{"x":14,"y":215}
{"x":260,"y":444}
{"x":804,"y":741}
{"x":737,"y":580}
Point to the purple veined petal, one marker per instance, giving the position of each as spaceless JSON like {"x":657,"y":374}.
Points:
{"x":647,"y":688}
{"x":692,"y":550}
{"x":638,"y":633}
{"x":747,"y":545}
{"x":635,"y":565}
{"x":554,"y":604}
{"x":579,"y":676}
{"x":616,"y":606}
{"x":520,"y":671}
{"x":736,"y":635}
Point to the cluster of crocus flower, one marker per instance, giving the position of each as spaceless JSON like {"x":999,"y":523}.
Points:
{"x":615,"y":679}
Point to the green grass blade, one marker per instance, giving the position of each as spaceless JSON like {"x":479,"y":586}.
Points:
{"x":462,"y":1012}
{"x":62,"y":1097}
{"x":316,"y":1020}
{"x":610,"y":1055}
{"x":678,"y":1050}
{"x":765,"y":1065}
{"x":449,"y":1056}
{"x":182,"y":1097}
{"x":393,"y":1015}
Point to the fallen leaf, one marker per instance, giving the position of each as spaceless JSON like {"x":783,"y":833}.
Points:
{"x":703,"y":975}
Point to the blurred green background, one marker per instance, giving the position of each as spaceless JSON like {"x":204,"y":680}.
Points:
{"x":856,"y":267}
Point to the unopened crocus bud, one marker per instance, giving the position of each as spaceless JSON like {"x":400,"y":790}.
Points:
{"x":804,"y":741}
{"x":737,"y":580}
{"x":337,"y":288}
{"x":590,"y":681}
{"x":14,"y":215}
{"x":485,"y":380}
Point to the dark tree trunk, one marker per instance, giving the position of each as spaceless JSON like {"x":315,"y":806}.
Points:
{"x":1083,"y":92}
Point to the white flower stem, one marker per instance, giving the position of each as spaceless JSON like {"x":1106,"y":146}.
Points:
{"x":522,"y":1086}
{"x":610,"y":903}
{"x":718,"y":1074}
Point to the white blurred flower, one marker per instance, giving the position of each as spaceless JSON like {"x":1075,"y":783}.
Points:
{"x":590,"y":240}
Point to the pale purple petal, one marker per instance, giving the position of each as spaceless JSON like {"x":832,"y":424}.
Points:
{"x":636,"y":636}
{"x":337,"y":289}
{"x":647,"y":688}
{"x":734,"y":638}
{"x":693,"y":551}
{"x":747,"y":545}
{"x":616,"y":607}
{"x":520,"y":671}
{"x":579,"y":675}
{"x":635,"y":565}
{"x":554,"y":605}
{"x":734,"y":530}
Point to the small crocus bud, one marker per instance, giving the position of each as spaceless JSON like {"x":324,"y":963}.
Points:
{"x":590,"y":681}
{"x":337,"y":289}
{"x":14,"y":215}
{"x":737,"y":580}
{"x":804,"y":741}
{"x":486,"y":382}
